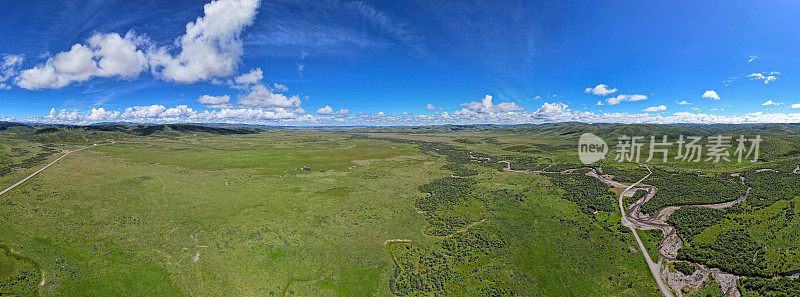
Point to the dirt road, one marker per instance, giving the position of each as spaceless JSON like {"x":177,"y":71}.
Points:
{"x":655,"y":268}
{"x":669,"y":246}
{"x":37,"y":172}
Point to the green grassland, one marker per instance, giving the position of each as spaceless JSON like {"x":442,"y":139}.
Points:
{"x":173,"y":210}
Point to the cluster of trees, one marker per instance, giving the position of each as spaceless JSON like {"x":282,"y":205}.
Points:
{"x":690,"y":221}
{"x":527,"y":162}
{"x":7,"y":164}
{"x":771,"y":186}
{"x":636,"y":196}
{"x":444,"y":194}
{"x":19,"y":275}
{"x":778,"y":287}
{"x":732,"y":251}
{"x":684,"y":267}
{"x":781,"y":166}
{"x":476,"y":242}
{"x":429,"y":271}
{"x":683,"y":187}
{"x":452,"y":154}
{"x":444,"y":191}
{"x":625,"y":175}
{"x":538,"y":164}
{"x":460,"y":169}
{"x":466,"y":141}
{"x":419,"y":271}
{"x":584,"y":190}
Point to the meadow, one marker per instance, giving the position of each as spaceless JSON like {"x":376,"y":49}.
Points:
{"x":184,"y":210}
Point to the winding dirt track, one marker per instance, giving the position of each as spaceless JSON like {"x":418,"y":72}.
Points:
{"x":655,"y":268}
{"x":668,"y":247}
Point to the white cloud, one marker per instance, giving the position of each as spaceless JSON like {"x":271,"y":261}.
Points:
{"x":62,"y":116}
{"x":327,"y":110}
{"x":765,"y":77}
{"x":683,"y":102}
{"x":770,"y":102}
{"x":8,"y":68}
{"x":548,"y":112}
{"x":100,"y":115}
{"x":752,"y":59}
{"x":623,"y":98}
{"x":486,"y":106}
{"x":552,"y":111}
{"x":430,"y":107}
{"x":214,"y":100}
{"x":796,"y":105}
{"x":118,"y":56}
{"x":711,"y":94}
{"x":212,"y":45}
{"x":261,"y":96}
{"x":279,"y":87}
{"x":138,"y":112}
{"x":253,"y":77}
{"x":180,"y":111}
{"x":600,"y":90}
{"x":106,"y":55}
{"x":655,"y":108}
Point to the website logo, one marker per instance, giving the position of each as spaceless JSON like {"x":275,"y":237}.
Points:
{"x":591,"y":148}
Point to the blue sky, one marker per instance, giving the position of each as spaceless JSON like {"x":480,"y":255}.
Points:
{"x":399,"y":62}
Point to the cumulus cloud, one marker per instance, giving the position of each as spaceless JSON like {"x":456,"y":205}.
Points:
{"x":210,"y":48}
{"x":601,"y":90}
{"x":683,"y":102}
{"x":430,"y":107}
{"x":486,"y":106}
{"x":212,"y":45}
{"x":327,"y":110}
{"x":548,"y":112}
{"x":770,"y":102}
{"x":765,"y":77}
{"x":62,"y":116}
{"x":655,"y":108}
{"x":796,"y":105}
{"x":711,"y":94}
{"x":100,"y":114}
{"x":624,"y":98}
{"x":261,"y":96}
{"x":212,"y":101}
{"x":104,"y":55}
{"x":253,"y":77}
{"x":552,"y":111}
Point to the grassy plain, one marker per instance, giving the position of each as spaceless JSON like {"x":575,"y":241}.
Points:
{"x":281,"y":212}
